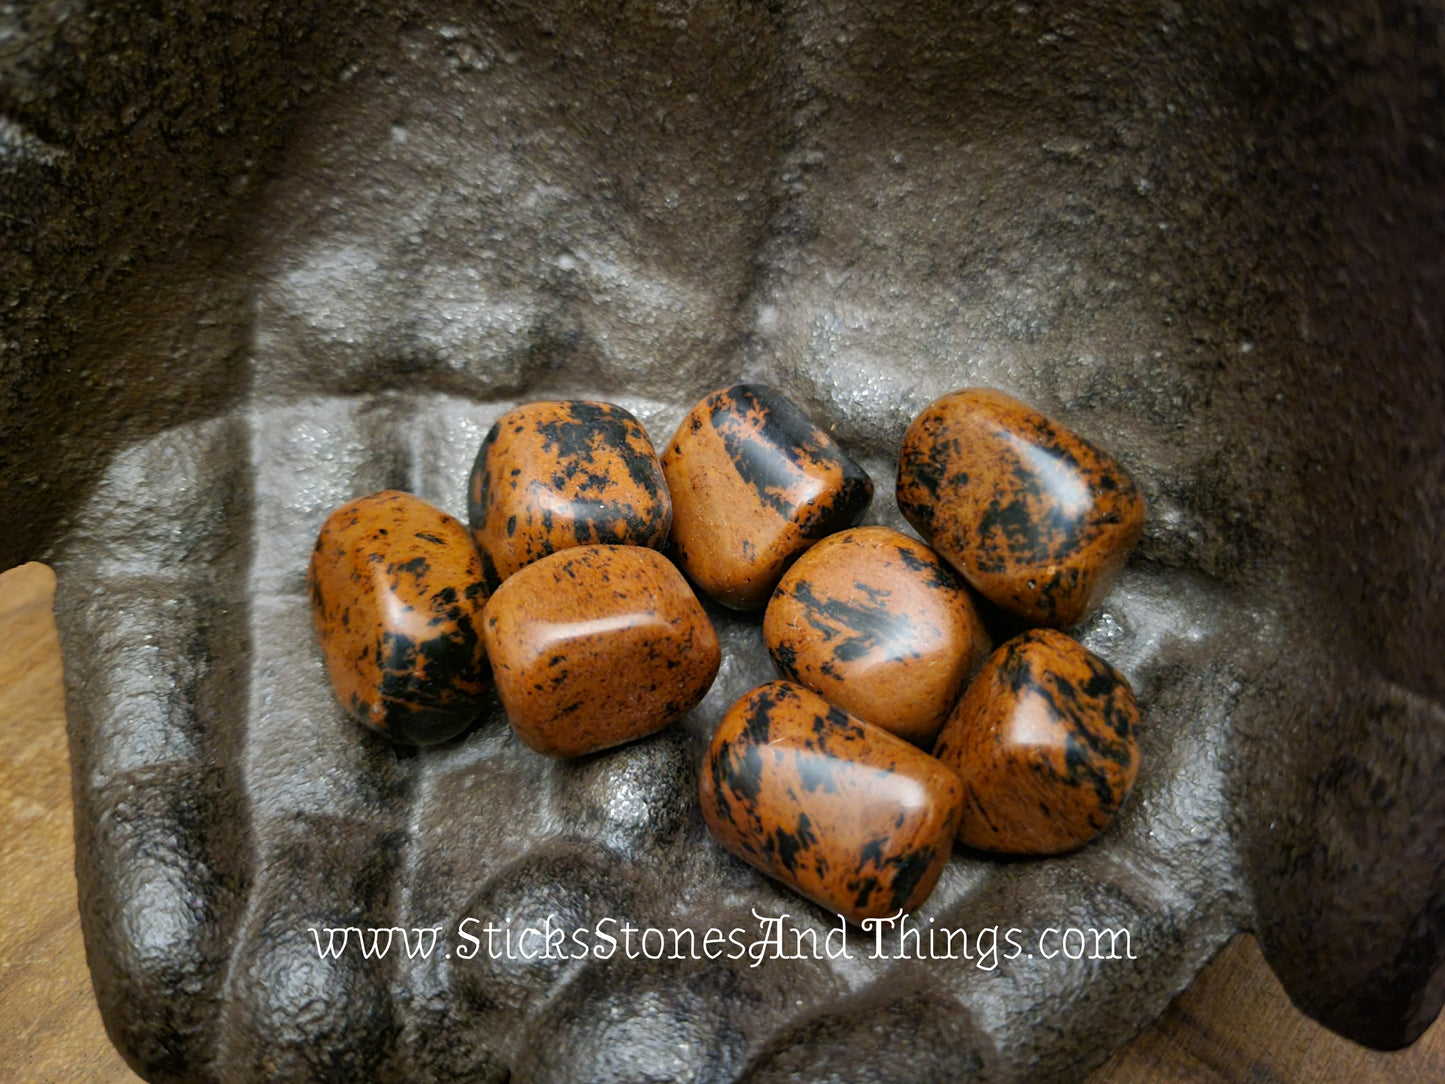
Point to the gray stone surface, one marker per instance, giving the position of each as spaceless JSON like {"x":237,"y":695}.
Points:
{"x":263,"y":258}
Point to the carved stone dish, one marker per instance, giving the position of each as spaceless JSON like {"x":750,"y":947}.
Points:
{"x":260,"y":259}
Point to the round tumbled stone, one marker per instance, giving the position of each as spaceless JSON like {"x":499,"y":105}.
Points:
{"x":753,"y":484}
{"x":556,"y":474}
{"x":880,"y":626}
{"x":598,"y":645}
{"x":1036,"y":519}
{"x":849,"y":815}
{"x":397,"y":596}
{"x":1043,"y":740}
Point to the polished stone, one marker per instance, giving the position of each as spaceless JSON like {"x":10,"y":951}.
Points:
{"x":1037,"y":519}
{"x":854,"y":818}
{"x":1044,"y":742}
{"x":594,"y":646}
{"x":556,"y":474}
{"x":397,"y":596}
{"x":872,"y":204}
{"x":876,"y":622}
{"x":754,"y":483}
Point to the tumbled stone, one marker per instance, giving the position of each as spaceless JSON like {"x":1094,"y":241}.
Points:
{"x":854,"y":818}
{"x":552,"y":475}
{"x":877,"y":623}
{"x":753,"y":484}
{"x":1043,"y":740}
{"x":397,"y":595}
{"x":597,"y":645}
{"x":1037,"y":519}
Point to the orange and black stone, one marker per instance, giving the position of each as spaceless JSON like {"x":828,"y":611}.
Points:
{"x":854,"y":818}
{"x":1038,"y":520}
{"x":877,"y":623}
{"x":754,"y":483}
{"x":397,"y":595}
{"x":1044,"y":742}
{"x":551,"y":475}
{"x":594,"y":646}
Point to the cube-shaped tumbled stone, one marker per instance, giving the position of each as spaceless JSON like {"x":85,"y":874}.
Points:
{"x":552,"y":475}
{"x":597,"y":645}
{"x":1038,"y":520}
{"x":753,"y":484}
{"x":397,"y":596}
{"x":1043,"y":740}
{"x":878,"y":624}
{"x":849,"y":815}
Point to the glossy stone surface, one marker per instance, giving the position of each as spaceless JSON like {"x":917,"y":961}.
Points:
{"x":397,"y":598}
{"x":1044,"y":742}
{"x":1036,"y":518}
{"x":597,"y":645}
{"x":419,"y":217}
{"x":754,"y":483}
{"x":854,"y":818}
{"x":563,"y":473}
{"x":880,"y":626}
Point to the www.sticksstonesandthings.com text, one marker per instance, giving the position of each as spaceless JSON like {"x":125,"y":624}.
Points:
{"x":774,"y":938}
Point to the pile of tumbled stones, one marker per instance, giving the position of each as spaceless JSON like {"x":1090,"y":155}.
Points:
{"x":559,"y":591}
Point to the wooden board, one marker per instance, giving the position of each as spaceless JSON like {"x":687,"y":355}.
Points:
{"x":1233,"y":1026}
{"x":52,"y":1029}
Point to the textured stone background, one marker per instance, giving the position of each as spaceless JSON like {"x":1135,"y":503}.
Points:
{"x":259,"y":261}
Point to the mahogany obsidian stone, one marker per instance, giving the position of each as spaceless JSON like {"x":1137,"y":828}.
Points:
{"x":1044,"y":743}
{"x":555,"y":474}
{"x":877,"y":623}
{"x":263,"y":257}
{"x":1037,"y":519}
{"x":754,"y":483}
{"x":397,"y":596}
{"x":854,"y":818}
{"x":597,"y":645}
